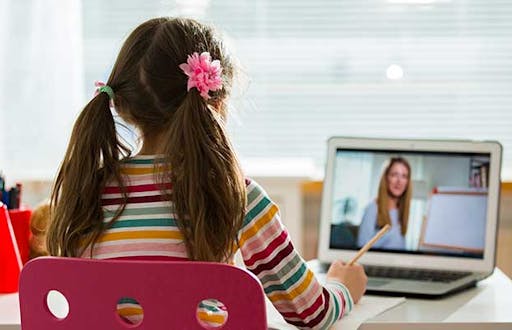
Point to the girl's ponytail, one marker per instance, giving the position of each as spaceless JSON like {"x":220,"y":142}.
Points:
{"x":208,"y":188}
{"x":91,"y":158}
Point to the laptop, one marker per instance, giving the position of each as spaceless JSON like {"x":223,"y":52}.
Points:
{"x":441,"y":198}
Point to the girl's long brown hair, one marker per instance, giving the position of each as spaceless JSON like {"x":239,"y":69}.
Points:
{"x":404,"y":201}
{"x":208,"y":188}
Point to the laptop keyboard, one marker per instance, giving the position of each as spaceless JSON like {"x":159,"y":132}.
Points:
{"x":414,"y":274}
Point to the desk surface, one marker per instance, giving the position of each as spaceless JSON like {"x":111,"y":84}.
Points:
{"x":486,"y":306}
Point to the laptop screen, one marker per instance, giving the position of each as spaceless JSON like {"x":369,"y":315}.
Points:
{"x":436,"y":202}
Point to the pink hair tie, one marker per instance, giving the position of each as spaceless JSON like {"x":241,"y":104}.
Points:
{"x":203,"y":73}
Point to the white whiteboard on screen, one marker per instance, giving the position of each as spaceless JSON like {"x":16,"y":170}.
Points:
{"x":456,"y":221}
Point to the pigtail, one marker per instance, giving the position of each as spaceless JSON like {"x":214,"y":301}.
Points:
{"x":92,"y":157}
{"x":208,"y":188}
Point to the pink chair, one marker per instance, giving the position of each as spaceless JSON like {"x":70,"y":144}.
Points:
{"x":168,"y":291}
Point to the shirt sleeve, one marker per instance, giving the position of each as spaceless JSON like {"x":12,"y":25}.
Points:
{"x":290,"y":285}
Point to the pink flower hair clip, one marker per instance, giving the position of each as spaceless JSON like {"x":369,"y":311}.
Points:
{"x":203,"y":73}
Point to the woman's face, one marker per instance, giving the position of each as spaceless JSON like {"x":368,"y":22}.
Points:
{"x":397,"y":180}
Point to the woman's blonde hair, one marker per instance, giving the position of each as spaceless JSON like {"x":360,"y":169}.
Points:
{"x":404,"y":201}
{"x":150,"y":91}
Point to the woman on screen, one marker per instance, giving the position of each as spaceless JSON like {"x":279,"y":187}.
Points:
{"x":390,"y":207}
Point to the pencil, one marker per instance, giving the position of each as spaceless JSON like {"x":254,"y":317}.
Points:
{"x":368,"y":245}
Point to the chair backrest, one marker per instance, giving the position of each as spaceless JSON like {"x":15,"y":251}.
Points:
{"x":168,"y":291}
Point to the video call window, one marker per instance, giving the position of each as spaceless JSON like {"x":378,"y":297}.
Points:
{"x":436,"y":203}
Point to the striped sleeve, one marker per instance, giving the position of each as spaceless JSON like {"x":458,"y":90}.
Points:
{"x":287,"y":281}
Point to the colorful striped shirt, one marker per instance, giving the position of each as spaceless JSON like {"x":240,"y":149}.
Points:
{"x":147,"y":228}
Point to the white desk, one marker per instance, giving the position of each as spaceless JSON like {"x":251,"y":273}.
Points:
{"x":9,"y":312}
{"x":488,"y":306}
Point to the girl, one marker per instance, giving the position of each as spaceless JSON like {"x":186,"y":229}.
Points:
{"x":183,"y":195}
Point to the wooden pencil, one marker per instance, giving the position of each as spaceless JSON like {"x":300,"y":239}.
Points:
{"x":370,"y":243}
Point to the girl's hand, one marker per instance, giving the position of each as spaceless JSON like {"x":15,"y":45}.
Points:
{"x":353,"y":277}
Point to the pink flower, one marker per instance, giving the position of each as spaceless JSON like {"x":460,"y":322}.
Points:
{"x":203,"y":73}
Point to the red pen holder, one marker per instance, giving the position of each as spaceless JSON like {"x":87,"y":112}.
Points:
{"x":10,"y":260}
{"x":20,"y":220}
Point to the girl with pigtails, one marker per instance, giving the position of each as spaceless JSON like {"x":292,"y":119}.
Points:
{"x":183,"y":196}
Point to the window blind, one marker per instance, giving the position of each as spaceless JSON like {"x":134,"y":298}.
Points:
{"x":397,"y":68}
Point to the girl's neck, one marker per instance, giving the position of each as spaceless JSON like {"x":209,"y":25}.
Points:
{"x":152,"y":145}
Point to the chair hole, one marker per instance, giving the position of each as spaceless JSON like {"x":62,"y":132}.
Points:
{"x":57,"y":304}
{"x":130,"y":311}
{"x":211,"y":313}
